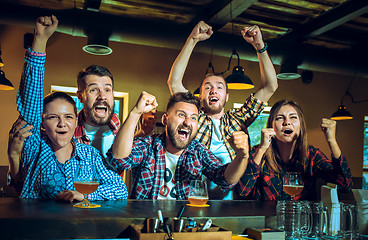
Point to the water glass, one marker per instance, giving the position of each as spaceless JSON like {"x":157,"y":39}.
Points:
{"x":312,"y":220}
{"x":288,"y":218}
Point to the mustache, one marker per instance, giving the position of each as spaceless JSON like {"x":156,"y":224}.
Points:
{"x":181,"y":126}
{"x":102,"y":103}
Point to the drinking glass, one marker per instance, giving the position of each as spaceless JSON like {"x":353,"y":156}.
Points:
{"x":293,"y":184}
{"x":198,"y":195}
{"x":86,"y":181}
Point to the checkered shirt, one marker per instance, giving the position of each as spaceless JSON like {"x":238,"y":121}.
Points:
{"x":43,"y":175}
{"x":147,"y":160}
{"x":233,"y":120}
{"x":260,"y":183}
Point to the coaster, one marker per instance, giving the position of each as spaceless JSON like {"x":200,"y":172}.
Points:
{"x":192,"y":205}
{"x":90,"y":206}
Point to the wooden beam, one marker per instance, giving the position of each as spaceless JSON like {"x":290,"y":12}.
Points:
{"x":330,"y":20}
{"x":230,"y":11}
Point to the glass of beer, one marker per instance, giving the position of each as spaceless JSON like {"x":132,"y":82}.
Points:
{"x":198,"y":195}
{"x":86,"y":181}
{"x":293,"y":184}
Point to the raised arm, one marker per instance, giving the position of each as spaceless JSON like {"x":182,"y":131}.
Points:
{"x":17,"y":135}
{"x":201,"y":32}
{"x":328,"y":127}
{"x":45,"y":27}
{"x":269,"y":84}
{"x":123,"y":142}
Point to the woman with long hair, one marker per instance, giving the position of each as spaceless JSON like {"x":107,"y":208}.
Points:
{"x":284,"y":148}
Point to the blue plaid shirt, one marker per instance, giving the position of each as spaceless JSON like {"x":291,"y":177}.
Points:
{"x":147,"y":160}
{"x":43,"y":175}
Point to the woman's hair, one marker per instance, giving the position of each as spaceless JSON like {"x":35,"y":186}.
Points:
{"x":300,"y":150}
{"x":59,"y":95}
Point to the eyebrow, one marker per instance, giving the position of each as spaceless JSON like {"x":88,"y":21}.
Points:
{"x":95,"y":84}
{"x":182,"y":111}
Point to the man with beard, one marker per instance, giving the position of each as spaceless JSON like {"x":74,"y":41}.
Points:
{"x":164,"y":165}
{"x":216,"y":125}
{"x":97,"y":122}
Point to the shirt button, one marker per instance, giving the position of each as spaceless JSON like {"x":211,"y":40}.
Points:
{"x":69,"y":177}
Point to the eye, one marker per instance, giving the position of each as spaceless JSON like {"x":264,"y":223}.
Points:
{"x":181,"y":115}
{"x":278,"y":118}
{"x":51,"y":117}
{"x":193,"y":118}
{"x":107,"y":90}
{"x":70,"y":117}
{"x":93,"y":90}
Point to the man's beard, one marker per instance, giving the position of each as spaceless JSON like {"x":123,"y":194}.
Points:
{"x":175,"y":141}
{"x":211,"y":109}
{"x":89,"y":114}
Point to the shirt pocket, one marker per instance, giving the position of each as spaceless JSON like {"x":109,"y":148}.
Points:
{"x":193,"y":169}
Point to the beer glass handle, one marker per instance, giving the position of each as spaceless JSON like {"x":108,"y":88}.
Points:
{"x":326,"y":221}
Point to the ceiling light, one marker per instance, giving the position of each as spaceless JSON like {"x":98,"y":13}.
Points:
{"x":196,"y":92}
{"x":98,"y":43}
{"x":237,"y":80}
{"x":5,"y":84}
{"x":289,"y":69}
{"x":341,"y":114}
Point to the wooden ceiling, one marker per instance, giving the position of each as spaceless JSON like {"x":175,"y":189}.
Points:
{"x":338,"y":25}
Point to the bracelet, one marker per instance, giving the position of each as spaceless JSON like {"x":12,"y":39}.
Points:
{"x":263,"y":49}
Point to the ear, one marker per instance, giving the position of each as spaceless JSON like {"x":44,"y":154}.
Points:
{"x":227,"y":97}
{"x":164,"y":119}
{"x":80,"y":96}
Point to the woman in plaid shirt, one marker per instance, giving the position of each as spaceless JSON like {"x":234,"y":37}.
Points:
{"x":284,"y":148}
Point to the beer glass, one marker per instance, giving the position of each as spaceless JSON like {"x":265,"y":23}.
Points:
{"x":293,"y":184}
{"x":86,"y":182}
{"x":198,"y":195}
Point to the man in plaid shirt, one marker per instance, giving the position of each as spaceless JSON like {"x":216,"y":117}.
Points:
{"x":150,"y":156}
{"x":216,"y":125}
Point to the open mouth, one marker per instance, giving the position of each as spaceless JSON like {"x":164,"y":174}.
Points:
{"x":101,"y":108}
{"x":288,"y":131}
{"x":62,"y":133}
{"x":213,"y":99}
{"x":183,"y":133}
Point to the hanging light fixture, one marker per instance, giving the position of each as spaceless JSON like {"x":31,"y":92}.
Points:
{"x":341,"y":114}
{"x":98,"y":41}
{"x":289,"y":69}
{"x":237,"y":80}
{"x":196,"y":92}
{"x":5,"y":84}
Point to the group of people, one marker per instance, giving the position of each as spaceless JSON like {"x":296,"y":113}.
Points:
{"x":50,"y":140}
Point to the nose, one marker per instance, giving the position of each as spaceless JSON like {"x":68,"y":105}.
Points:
{"x":61,"y":122}
{"x":286,"y":122}
{"x":102,"y":94}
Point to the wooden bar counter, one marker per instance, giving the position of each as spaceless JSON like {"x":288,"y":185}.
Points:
{"x":36,"y":219}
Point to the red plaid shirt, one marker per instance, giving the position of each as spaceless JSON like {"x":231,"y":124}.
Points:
{"x":81,"y":137}
{"x":260,"y":183}
{"x":147,"y":161}
{"x":80,"y":134}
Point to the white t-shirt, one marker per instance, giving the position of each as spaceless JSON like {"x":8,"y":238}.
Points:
{"x":101,"y":137}
{"x":167,"y":190}
{"x":218,"y":148}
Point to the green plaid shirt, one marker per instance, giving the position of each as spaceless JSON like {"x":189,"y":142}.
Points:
{"x":233,"y":120}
